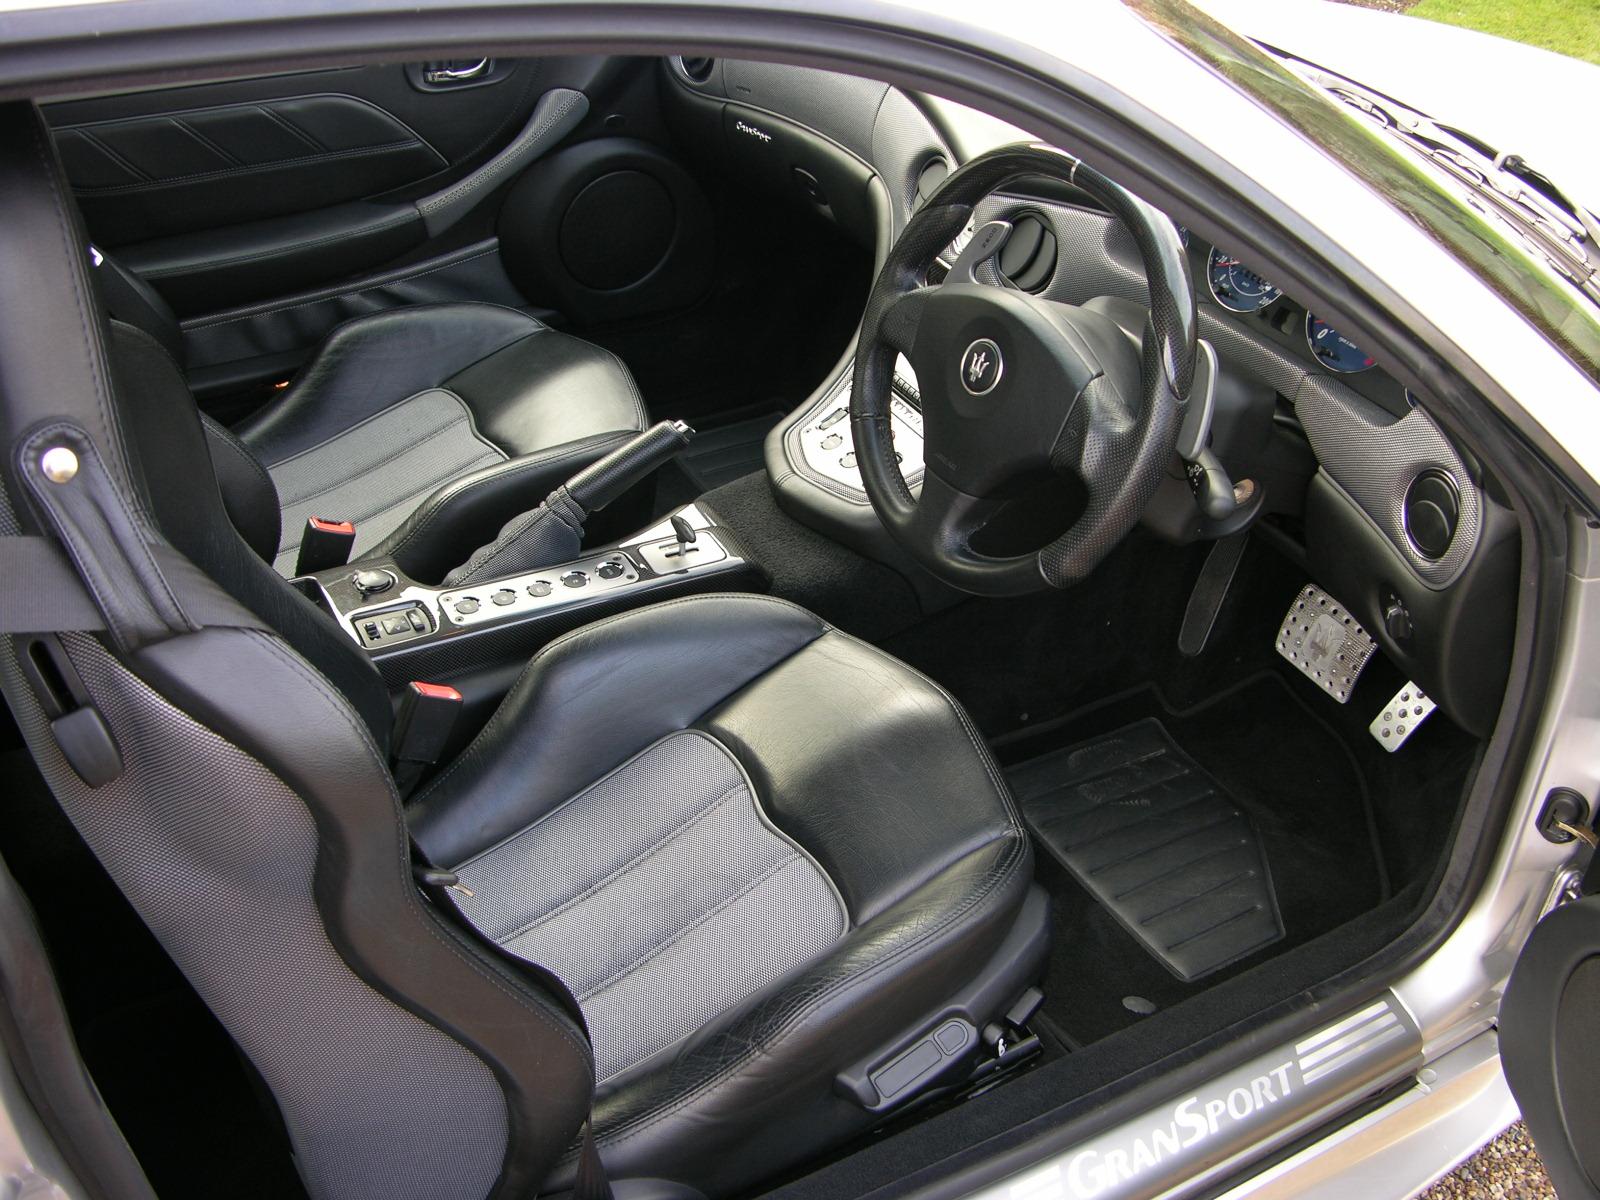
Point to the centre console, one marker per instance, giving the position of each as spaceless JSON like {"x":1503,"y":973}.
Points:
{"x":417,"y":631}
{"x":811,"y":462}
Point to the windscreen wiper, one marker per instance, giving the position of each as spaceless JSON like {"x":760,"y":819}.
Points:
{"x":1563,"y":233}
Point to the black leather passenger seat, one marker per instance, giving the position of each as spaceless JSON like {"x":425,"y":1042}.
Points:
{"x":428,"y":426}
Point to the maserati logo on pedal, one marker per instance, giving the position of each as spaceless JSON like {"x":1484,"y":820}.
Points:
{"x":981,"y":366}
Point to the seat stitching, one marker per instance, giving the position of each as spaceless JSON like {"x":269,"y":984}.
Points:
{"x":521,"y":464}
{"x":362,"y":472}
{"x":638,"y":859}
{"x":121,"y":189}
{"x":89,"y":325}
{"x":1000,"y":873}
{"x":210,"y":266}
{"x":496,"y":721}
{"x":584,"y":791}
{"x":223,"y":437}
{"x":997,"y":875}
{"x":368,"y":518}
{"x":532,"y":1002}
{"x":662,"y":947}
{"x":387,"y":408}
{"x":327,"y":296}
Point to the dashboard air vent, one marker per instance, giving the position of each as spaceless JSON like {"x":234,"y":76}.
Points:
{"x":933,"y":173}
{"x":697,"y":70}
{"x":1028,"y":259}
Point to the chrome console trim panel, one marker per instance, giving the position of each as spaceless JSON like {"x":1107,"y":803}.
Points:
{"x":820,"y":446}
{"x":484,"y":621}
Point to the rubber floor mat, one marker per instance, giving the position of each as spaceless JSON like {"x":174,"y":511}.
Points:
{"x":1158,"y":843}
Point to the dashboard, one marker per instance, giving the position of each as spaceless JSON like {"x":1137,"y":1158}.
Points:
{"x":1352,"y":474}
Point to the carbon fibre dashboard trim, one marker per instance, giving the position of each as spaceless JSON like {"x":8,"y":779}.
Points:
{"x":1369,"y":452}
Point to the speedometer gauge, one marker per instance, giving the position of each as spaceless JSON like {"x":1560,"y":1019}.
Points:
{"x":1236,"y":286}
{"x":1333,"y":349}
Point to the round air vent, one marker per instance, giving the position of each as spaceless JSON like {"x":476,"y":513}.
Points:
{"x":695,"y":69}
{"x":933,"y":173}
{"x":1028,"y":259}
{"x":1432,"y":511}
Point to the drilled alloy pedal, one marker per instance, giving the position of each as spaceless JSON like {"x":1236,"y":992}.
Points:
{"x":1408,"y":708}
{"x":1327,"y":644}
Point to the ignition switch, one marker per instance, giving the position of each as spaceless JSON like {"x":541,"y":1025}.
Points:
{"x":1565,"y":818}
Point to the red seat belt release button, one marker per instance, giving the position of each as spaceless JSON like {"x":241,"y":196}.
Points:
{"x":325,"y":544}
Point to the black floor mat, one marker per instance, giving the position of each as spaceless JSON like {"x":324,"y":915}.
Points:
{"x":1157,"y":842}
{"x":1281,"y":764}
{"x":721,"y":455}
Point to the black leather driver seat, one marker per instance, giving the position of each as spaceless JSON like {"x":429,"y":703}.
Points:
{"x":428,"y":426}
{"x":777,"y":867}
{"x":758,"y":851}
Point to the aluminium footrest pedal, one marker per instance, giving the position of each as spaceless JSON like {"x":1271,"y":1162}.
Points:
{"x":1158,"y":843}
{"x":1325,"y":642}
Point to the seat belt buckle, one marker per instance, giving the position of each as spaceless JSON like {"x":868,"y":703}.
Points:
{"x":428,"y":715}
{"x":325,"y":544}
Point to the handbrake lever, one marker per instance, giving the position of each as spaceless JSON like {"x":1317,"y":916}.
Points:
{"x":553,"y":532}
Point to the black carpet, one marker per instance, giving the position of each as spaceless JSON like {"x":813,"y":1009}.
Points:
{"x":858,"y":595}
{"x":1285,"y":768}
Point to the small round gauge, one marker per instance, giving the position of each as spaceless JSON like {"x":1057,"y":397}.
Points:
{"x":1333,"y":349}
{"x":1236,"y":286}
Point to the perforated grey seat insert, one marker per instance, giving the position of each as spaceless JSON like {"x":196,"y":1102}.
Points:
{"x":661,"y":895}
{"x":377,"y":472}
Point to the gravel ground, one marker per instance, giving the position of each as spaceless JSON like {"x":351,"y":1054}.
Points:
{"x":1507,"y":1168}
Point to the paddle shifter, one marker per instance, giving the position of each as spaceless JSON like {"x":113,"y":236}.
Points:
{"x":553,"y":532}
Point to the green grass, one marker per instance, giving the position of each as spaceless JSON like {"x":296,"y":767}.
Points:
{"x":1566,"y":26}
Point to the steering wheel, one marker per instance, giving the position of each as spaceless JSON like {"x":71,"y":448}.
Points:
{"x":1014,"y":386}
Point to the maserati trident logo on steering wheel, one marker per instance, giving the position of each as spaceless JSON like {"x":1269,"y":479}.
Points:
{"x":981,"y":366}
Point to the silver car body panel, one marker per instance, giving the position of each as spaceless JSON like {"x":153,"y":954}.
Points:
{"x":1444,"y":1008}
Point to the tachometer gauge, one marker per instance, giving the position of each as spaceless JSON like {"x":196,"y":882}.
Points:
{"x":1236,"y":286}
{"x":1333,"y":349}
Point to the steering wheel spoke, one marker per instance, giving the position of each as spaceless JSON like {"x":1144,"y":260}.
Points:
{"x":1012,"y":384}
{"x":946,"y":516}
{"x":897,"y":327}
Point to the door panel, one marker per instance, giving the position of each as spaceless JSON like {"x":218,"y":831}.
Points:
{"x":176,"y":172}
{"x":178,"y":160}
{"x":1548,"y":1045}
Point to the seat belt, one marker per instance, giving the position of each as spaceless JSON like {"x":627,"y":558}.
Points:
{"x":41,"y":592}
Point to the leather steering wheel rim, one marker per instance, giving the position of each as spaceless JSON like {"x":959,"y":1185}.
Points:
{"x":1119,"y":444}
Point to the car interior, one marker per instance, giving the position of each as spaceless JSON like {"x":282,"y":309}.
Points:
{"x":737,"y":621}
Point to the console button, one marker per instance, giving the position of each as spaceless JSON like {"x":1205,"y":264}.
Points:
{"x":575,"y":579}
{"x":418,"y":621}
{"x":833,"y":418}
{"x":849,"y":460}
{"x":371,"y":630}
{"x":609,"y":569}
{"x":832,"y":442}
{"x":396,"y":624}
{"x":370,"y":583}
{"x":467,"y":607}
{"x":503,"y":597}
{"x":540,"y":587}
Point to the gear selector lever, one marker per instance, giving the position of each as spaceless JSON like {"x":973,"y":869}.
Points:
{"x":553,"y":532}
